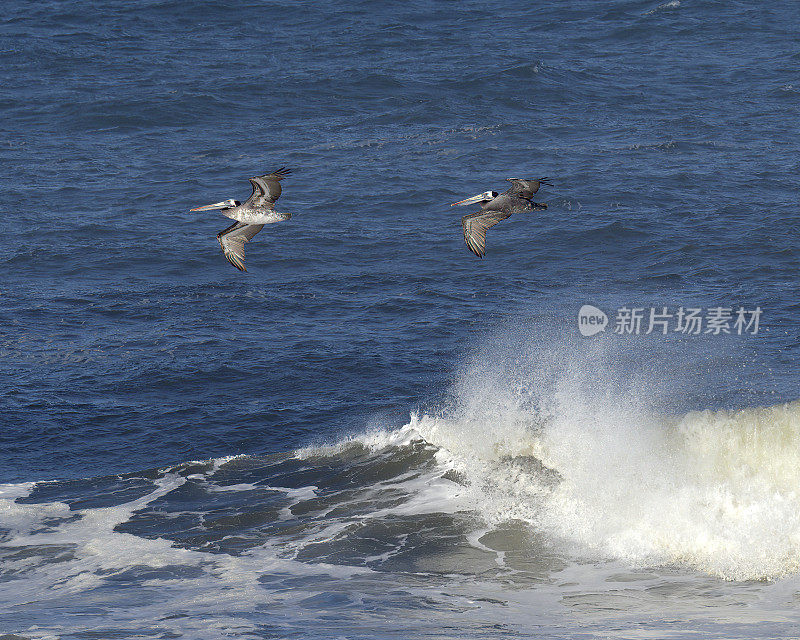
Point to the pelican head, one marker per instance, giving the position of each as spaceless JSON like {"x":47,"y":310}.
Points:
{"x":481,"y":197}
{"x":225,"y":204}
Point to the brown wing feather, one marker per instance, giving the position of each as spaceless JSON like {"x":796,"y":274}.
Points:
{"x":232,"y":241}
{"x":267,"y":188}
{"x":528,"y":187}
{"x":475,"y":226}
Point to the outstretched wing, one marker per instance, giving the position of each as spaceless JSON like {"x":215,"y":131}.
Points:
{"x":232,"y":241}
{"x":475,"y":226}
{"x":527,"y":187}
{"x":267,"y":188}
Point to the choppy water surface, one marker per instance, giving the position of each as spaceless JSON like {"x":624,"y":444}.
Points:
{"x":373,"y":433}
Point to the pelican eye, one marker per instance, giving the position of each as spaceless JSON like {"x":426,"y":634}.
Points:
{"x":494,"y":194}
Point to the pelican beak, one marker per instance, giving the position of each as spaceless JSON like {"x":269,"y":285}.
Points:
{"x":481,"y":197}
{"x":216,"y":205}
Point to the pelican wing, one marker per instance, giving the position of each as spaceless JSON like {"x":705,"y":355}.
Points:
{"x":267,"y":188}
{"x":527,"y":187}
{"x":232,"y":241}
{"x":475,"y":226}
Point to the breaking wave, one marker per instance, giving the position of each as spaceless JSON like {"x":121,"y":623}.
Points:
{"x":596,"y":468}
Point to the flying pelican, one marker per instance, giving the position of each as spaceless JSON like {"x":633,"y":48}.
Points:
{"x":496,"y":207}
{"x":258,"y":210}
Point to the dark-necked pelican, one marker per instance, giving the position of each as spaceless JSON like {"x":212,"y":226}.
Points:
{"x":496,"y":207}
{"x":258,"y":210}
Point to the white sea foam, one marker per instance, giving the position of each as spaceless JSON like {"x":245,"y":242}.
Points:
{"x":713,"y":490}
{"x":69,"y":561}
{"x":374,"y":439}
{"x":13,"y":491}
{"x":672,"y":4}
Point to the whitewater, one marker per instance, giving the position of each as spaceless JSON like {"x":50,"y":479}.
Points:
{"x":538,"y":485}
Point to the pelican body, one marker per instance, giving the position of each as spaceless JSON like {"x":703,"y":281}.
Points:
{"x":257,"y":210}
{"x":497,"y":207}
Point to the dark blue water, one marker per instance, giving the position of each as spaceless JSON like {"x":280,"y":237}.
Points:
{"x":130,"y":346}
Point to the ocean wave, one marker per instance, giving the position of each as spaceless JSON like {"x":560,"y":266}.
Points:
{"x":596,"y":454}
{"x":582,"y":452}
{"x":712,"y":490}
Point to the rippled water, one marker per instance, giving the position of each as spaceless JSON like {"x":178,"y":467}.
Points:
{"x":373,"y":433}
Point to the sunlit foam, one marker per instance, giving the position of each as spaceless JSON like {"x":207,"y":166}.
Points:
{"x":587,"y":455}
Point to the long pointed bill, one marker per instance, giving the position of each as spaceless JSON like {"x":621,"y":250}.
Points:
{"x":481,"y":197}
{"x":216,"y":205}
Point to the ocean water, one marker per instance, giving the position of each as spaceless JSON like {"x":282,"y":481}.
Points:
{"x":373,"y":433}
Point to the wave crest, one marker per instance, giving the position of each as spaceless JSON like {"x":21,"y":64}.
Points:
{"x":604,"y":473}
